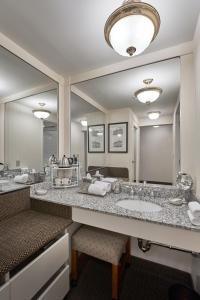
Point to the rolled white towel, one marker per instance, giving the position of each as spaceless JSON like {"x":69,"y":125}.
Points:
{"x":194,"y":207}
{"x":193,"y":220}
{"x":21,"y":178}
{"x":98,"y":190}
{"x":106,"y":185}
{"x":109,"y":179}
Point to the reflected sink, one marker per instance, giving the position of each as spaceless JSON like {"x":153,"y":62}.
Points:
{"x":139,"y":205}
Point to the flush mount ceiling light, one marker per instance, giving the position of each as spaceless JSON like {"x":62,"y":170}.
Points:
{"x":148,"y":94}
{"x":84,"y":123}
{"x":154,"y":115}
{"x":156,"y":126}
{"x":41,"y":113}
{"x":131,"y":28}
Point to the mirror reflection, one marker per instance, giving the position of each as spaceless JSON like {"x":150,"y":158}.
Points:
{"x":147,"y":100}
{"x":29,"y":116}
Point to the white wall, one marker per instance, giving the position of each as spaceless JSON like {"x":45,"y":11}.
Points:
{"x":187,"y":116}
{"x":2,"y":110}
{"x":77,"y":143}
{"x":50,"y":143}
{"x":23,"y":137}
{"x":156,"y":153}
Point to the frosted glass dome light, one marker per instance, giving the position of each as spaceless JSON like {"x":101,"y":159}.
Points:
{"x":41,"y":114}
{"x":148,"y":94}
{"x":132,"y":27}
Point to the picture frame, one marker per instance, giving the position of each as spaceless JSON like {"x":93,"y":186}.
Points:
{"x":118,"y":137}
{"x":96,"y":138}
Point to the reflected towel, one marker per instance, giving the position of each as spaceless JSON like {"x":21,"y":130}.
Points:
{"x":21,"y":178}
{"x":95,"y":189}
{"x":105,"y":185}
{"x":193,"y":220}
{"x":109,"y":179}
{"x":194,"y":207}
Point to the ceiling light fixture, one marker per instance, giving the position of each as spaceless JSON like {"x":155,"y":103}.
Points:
{"x":154,"y":115}
{"x":84,"y":123}
{"x":156,"y":126}
{"x":148,"y":94}
{"x":41,"y":113}
{"x":131,"y":28}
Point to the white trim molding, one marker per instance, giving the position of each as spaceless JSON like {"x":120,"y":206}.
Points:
{"x":30,"y":92}
{"x":137,"y":61}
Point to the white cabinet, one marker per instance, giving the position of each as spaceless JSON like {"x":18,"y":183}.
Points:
{"x":5,"y":292}
{"x":59,"y":288}
{"x":32,"y":278}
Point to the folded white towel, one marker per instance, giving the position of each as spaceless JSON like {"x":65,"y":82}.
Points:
{"x":105,"y":185}
{"x":194,"y":207}
{"x":95,"y":189}
{"x":21,"y":178}
{"x":193,"y":220}
{"x":109,"y":179}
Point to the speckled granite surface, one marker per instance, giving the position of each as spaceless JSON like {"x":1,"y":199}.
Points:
{"x":169,"y":215}
{"x":11,"y":187}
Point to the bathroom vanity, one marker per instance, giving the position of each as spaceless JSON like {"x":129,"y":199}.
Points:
{"x":169,"y":226}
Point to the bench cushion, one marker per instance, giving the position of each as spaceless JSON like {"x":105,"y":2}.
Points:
{"x":105,"y":245}
{"x":24,"y":234}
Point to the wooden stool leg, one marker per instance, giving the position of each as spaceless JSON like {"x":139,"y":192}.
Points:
{"x":115,"y":281}
{"x":128,"y":252}
{"x":74,"y":265}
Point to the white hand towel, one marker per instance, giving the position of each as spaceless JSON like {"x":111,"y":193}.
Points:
{"x":21,"y":178}
{"x":96,"y":190}
{"x":105,"y":185}
{"x":109,"y":179}
{"x":193,"y":220}
{"x":194,"y":207}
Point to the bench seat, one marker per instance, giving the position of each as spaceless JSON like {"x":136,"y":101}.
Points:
{"x":24,"y":234}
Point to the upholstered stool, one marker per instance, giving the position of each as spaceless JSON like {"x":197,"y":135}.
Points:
{"x":102,"y":244}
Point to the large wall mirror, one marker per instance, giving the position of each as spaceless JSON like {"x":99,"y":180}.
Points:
{"x":147,"y":98}
{"x":28,"y":115}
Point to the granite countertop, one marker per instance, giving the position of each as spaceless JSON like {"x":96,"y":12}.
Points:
{"x":11,"y":187}
{"x":170,"y":215}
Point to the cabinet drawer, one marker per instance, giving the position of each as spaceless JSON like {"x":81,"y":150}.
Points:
{"x":59,"y":288}
{"x":32,"y":278}
{"x":5,"y":292}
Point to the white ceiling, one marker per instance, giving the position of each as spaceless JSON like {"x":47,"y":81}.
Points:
{"x":79,"y":108}
{"x":49,"y":98}
{"x":117,"y":90}
{"x":17,"y":76}
{"x":68,"y":35}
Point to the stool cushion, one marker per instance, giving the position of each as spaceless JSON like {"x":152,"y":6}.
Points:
{"x":102,"y":244}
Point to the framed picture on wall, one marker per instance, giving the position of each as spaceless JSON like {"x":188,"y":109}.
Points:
{"x":118,"y":137}
{"x":96,"y":138}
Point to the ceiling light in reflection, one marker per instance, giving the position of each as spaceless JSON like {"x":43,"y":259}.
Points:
{"x":154,"y":115}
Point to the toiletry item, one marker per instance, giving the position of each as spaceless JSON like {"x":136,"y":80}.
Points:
{"x":105,"y":185}
{"x":58,"y":181}
{"x":194,"y":207}
{"x":177,"y":201}
{"x":117,"y":187}
{"x":96,"y":190}
{"x":64,"y":162}
{"x":21,"y":178}
{"x":41,"y":192}
{"x":52,"y":160}
{"x":109,"y":179}
{"x":194,"y":220}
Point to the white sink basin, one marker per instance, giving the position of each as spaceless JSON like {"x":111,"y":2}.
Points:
{"x":139,"y":205}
